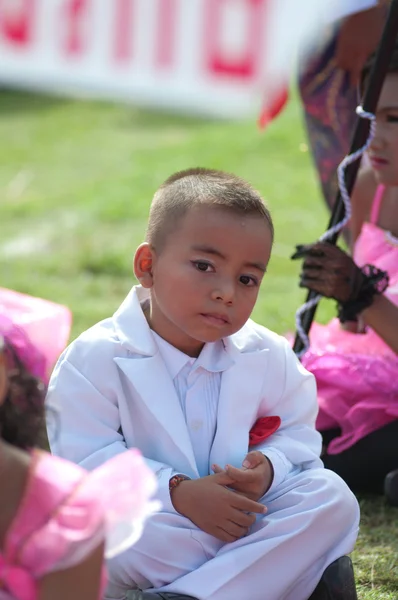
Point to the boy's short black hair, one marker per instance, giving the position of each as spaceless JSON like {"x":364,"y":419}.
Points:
{"x":199,"y":186}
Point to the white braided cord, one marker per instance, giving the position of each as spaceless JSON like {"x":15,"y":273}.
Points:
{"x":350,"y":158}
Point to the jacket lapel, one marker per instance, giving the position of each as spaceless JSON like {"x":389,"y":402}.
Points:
{"x":153,"y":386}
{"x":240,"y":396}
{"x":148,"y":375}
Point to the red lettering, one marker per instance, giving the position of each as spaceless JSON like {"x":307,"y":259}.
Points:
{"x":123,"y":29}
{"x":244,"y":66}
{"x":166,"y":34}
{"x":16,"y":21}
{"x":76,"y":12}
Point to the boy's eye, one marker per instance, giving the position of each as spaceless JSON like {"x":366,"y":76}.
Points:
{"x":247,"y":280}
{"x":201,"y":265}
{"x":392,"y":118}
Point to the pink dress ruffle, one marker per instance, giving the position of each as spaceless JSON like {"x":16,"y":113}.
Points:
{"x":37,"y":329}
{"x":357,"y":374}
{"x":66,"y":513}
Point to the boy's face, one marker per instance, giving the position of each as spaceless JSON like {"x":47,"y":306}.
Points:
{"x":383,"y":151}
{"x":205,"y":281}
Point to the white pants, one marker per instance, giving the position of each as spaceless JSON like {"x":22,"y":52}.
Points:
{"x":312,"y":520}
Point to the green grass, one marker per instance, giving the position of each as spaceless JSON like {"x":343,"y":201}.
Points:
{"x":76,"y":180}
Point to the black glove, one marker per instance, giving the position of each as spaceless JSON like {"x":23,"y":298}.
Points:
{"x":331,"y":272}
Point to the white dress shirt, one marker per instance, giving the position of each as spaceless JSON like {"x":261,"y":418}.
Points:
{"x":197,"y":382}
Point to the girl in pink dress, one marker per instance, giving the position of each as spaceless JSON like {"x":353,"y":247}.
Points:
{"x":56,"y":520}
{"x":355,"y":360}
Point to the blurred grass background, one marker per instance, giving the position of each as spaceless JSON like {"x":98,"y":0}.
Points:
{"x":76,"y":181}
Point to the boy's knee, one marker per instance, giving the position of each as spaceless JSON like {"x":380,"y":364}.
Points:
{"x":123,"y":576}
{"x":343,"y":507}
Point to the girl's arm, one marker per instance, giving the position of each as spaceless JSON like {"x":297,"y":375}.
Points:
{"x":382,"y":317}
{"x":361,"y":204}
{"x":331,"y":272}
{"x":361,"y":201}
{"x":81,"y":582}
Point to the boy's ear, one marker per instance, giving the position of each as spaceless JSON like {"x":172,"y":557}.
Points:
{"x":143,"y":261}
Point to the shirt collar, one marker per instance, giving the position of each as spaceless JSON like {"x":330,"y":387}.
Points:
{"x":214,"y":357}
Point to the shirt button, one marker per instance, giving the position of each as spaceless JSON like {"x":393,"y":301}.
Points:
{"x":195,"y":425}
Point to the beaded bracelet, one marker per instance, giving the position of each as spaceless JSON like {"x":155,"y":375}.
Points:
{"x":176,"y":480}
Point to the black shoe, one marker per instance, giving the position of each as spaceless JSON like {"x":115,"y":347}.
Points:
{"x":138,"y":595}
{"x":337,"y":583}
{"x":391,"y":488}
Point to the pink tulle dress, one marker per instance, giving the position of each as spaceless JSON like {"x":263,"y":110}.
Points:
{"x":43,"y":327}
{"x":66,"y":513}
{"x":357,"y":374}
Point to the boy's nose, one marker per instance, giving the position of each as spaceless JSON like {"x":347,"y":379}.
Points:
{"x":224,"y":293}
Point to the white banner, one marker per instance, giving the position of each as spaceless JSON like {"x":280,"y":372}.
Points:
{"x":198,"y":55}
{"x":204,"y":56}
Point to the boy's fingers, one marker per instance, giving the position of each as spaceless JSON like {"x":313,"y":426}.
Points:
{"x":223,"y":478}
{"x":240,"y":475}
{"x":244,"y":519}
{"x":224,"y":536}
{"x":253,"y":459}
{"x":217,"y":469}
{"x":243,"y":503}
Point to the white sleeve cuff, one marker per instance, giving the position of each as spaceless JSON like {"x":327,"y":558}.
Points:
{"x":163,"y":493}
{"x":281,"y":465}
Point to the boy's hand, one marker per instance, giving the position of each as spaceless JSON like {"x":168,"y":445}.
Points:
{"x":253,"y":479}
{"x":215,"y":509}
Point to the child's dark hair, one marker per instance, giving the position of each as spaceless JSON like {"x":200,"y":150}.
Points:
{"x":392,"y":67}
{"x":199,"y":186}
{"x":22,"y":421}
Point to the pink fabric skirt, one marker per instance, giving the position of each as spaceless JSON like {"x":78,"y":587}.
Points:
{"x":357,"y":379}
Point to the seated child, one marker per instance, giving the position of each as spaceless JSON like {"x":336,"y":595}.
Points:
{"x":356,"y":364}
{"x":182,"y":373}
{"x":54,"y":517}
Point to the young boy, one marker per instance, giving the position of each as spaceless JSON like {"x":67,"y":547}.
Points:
{"x":181,"y":373}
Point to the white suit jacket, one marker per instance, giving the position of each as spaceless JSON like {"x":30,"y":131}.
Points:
{"x":112,"y":391}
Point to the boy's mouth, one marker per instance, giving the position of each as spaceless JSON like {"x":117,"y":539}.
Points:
{"x":217,"y":319}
